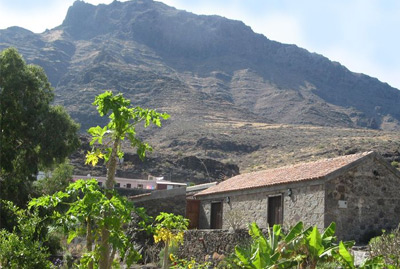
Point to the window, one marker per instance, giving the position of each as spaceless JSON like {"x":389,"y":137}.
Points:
{"x":216,"y":215}
{"x":140,"y":186}
{"x":100,"y":183}
{"x":117,"y":185}
{"x":128,"y":186}
{"x":275,"y":211}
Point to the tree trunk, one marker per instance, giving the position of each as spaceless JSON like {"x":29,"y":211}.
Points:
{"x":89,"y":239}
{"x":166,"y":256}
{"x":112,"y":166}
{"x":114,"y":251}
{"x":104,"y":249}
{"x":105,"y":262}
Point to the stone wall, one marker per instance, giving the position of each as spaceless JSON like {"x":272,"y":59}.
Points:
{"x":245,"y":209}
{"x":306,"y":203}
{"x":200,"y":243}
{"x":171,"y":201}
{"x":240,"y":211}
{"x":369,"y":200}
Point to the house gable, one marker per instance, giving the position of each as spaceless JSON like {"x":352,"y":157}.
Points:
{"x":299,"y":173}
{"x":363,"y":200}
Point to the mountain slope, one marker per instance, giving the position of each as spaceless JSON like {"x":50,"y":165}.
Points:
{"x":210,"y":73}
{"x":171,"y":59}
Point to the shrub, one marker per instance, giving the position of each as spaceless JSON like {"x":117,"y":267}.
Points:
{"x":235,"y":218}
{"x":183,"y":263}
{"x":169,"y":229}
{"x":387,"y":246}
{"x":22,"y":248}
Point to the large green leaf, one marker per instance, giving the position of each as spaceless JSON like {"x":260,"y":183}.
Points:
{"x":275,"y":237}
{"x":242,"y":255}
{"x":329,"y":231}
{"x":295,"y":231}
{"x":328,"y":237}
{"x":345,"y":254}
{"x":260,"y":259}
{"x":315,"y":242}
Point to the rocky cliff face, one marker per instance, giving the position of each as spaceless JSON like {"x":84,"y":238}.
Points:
{"x":198,"y":65}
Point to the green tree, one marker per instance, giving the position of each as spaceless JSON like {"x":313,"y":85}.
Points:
{"x":122,"y":125}
{"x":33,"y":133}
{"x":55,"y":180}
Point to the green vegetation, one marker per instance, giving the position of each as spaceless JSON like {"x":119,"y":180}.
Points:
{"x":298,"y":248}
{"x":33,"y":134}
{"x":387,"y":246}
{"x":55,"y":180}
{"x":122,"y":124}
{"x":169,"y":229}
{"x":23,"y":247}
{"x":79,"y":210}
{"x":36,"y":135}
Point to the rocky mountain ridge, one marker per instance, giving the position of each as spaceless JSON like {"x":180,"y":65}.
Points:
{"x":167,"y":58}
{"x":218,"y":79}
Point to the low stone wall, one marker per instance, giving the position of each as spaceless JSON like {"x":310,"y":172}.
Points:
{"x":200,"y":243}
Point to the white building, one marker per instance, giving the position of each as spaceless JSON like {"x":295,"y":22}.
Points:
{"x":152,"y":183}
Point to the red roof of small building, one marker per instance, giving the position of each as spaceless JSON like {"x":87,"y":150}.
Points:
{"x":288,"y":174}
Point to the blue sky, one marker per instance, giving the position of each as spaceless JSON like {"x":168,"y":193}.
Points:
{"x":363,"y":35}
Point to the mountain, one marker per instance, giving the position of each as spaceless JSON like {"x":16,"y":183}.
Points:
{"x":221,"y":82}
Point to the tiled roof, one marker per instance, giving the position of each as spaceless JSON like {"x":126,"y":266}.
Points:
{"x":282,"y":175}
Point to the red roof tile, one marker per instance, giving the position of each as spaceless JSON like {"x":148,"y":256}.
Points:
{"x":287,"y":174}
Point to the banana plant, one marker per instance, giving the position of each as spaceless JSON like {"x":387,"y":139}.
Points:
{"x":310,"y":247}
{"x":299,"y":248}
{"x":265,"y":252}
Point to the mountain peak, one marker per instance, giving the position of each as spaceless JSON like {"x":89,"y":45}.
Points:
{"x":85,"y":21}
{"x":164,"y":57}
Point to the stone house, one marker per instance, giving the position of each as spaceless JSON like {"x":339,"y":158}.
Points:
{"x":359,"y":192}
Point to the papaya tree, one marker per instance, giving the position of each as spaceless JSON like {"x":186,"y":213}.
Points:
{"x":169,"y":229}
{"x":106,"y":142}
{"x":79,"y":210}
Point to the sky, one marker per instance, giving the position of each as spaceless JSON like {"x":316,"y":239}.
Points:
{"x":363,"y":35}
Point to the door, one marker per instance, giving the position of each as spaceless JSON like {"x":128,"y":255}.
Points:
{"x":275,"y":211}
{"x":192,"y":213}
{"x":216,"y":215}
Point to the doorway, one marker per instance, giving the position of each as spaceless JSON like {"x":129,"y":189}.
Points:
{"x":216,"y":215}
{"x":275,"y":211}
